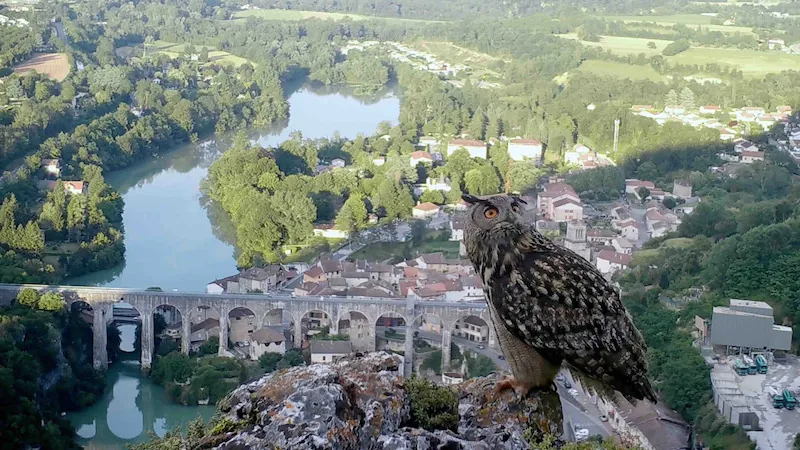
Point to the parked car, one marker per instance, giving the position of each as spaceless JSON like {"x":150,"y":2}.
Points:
{"x":573,"y":392}
{"x":604,"y":418}
{"x":501,"y":357}
{"x":560,"y":378}
{"x":567,"y":384}
{"x":481,"y":347}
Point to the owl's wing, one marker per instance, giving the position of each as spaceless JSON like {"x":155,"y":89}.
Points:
{"x":560,"y":304}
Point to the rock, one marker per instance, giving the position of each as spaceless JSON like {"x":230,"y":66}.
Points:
{"x":360,"y":403}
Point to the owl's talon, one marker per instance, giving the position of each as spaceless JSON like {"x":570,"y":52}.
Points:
{"x":521,"y":389}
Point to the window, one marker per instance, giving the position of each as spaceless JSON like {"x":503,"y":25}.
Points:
{"x":323,"y":357}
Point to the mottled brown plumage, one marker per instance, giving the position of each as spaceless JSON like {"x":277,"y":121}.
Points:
{"x":550,"y":306}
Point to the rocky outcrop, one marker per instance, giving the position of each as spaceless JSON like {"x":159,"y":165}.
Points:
{"x":361,"y":403}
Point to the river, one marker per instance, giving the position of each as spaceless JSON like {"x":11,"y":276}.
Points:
{"x":175,"y":240}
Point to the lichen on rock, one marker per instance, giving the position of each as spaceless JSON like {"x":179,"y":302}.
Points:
{"x":361,"y":403}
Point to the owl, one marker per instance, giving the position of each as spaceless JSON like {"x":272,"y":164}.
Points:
{"x":550,"y":307}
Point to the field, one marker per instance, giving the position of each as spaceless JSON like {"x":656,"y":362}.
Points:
{"x":172,"y":50}
{"x":690,"y":20}
{"x":621,"y":70}
{"x":286,"y":14}
{"x":54,"y":65}
{"x":623,"y":45}
{"x":751,"y":62}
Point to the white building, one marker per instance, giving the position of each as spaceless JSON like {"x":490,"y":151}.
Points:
{"x":266,"y":340}
{"x":457,"y":227}
{"x":751,"y":157}
{"x":473,"y":329}
{"x":622,"y":245}
{"x":424,"y":210}
{"x":329,"y":351}
{"x":476,"y":149}
{"x":609,"y":261}
{"x":525,"y":149}
{"x":710,"y":109}
{"x":429,"y":142}
{"x":328,"y":231}
{"x":627,"y":229}
{"x":632,"y":185}
{"x":338,"y":163}
{"x":52,"y":166}
{"x":560,"y":203}
{"x":420,"y":157}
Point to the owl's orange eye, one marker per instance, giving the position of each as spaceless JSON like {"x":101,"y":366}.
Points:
{"x":490,"y":212}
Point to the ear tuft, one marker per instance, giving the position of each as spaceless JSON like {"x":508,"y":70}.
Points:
{"x":471,"y":199}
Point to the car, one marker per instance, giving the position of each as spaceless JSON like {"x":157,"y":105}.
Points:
{"x":501,"y":357}
{"x":560,"y":378}
{"x":567,"y":384}
{"x":604,"y":418}
{"x":573,"y":392}
{"x":481,"y":347}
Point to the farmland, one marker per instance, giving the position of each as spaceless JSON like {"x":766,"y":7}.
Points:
{"x":690,"y":20}
{"x":751,"y":62}
{"x":624,"y":45}
{"x":54,"y":65}
{"x":172,"y":50}
{"x":285,"y":14}
{"x":621,"y":70}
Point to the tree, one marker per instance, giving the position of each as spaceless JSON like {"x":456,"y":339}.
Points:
{"x":51,"y":301}
{"x":432,"y":196}
{"x":481,"y":181}
{"x":676,"y":47}
{"x":76,"y":216}
{"x":709,"y":218}
{"x":669,"y":202}
{"x":269,"y":361}
{"x":174,"y":367}
{"x":522,"y":176}
{"x":291,"y":358}
{"x":353,"y":215}
{"x":479,"y":365}
{"x":210,"y":346}
{"x":671,"y":99}
{"x":432,"y":407}
{"x":651,"y":45}
{"x":28,"y":297}
{"x":687,"y":98}
{"x":643,"y":193}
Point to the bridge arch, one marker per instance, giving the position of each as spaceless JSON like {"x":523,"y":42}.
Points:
{"x":242,"y":322}
{"x":359,"y":326}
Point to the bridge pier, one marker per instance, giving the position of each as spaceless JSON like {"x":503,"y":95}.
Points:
{"x":493,"y":336}
{"x":223,"y":332}
{"x":298,"y":333}
{"x":445,"y":349}
{"x":186,"y":333}
{"x":371,"y":333}
{"x":147,"y":339}
{"x":100,"y":338}
{"x":408,"y":357}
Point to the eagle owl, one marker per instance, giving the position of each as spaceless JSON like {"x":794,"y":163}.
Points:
{"x":549,"y":306}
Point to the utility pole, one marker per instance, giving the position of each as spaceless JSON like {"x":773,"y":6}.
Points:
{"x":616,"y":135}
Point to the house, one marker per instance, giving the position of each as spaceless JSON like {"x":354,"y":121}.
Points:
{"x":424,"y":210}
{"x":457,"y":222}
{"x":338,"y":163}
{"x":710,"y":109}
{"x":329,"y":351}
{"x":609,"y":261}
{"x":674,"y":109}
{"x":261,"y":279}
{"x":202,"y":331}
{"x":776,"y":44}
{"x":726,"y":134}
{"x":266,"y":340}
{"x":432,"y":261}
{"x":523,"y":149}
{"x":640,"y":108}
{"x":242,"y":323}
{"x":433,"y":184}
{"x":52,"y":166}
{"x":751,"y":157}
{"x":314,"y":275}
{"x":574,"y":156}
{"x":657,"y":194}
{"x":622,"y":245}
{"x":428,"y":142}
{"x":627,"y":229}
{"x":476,"y":149}
{"x":632,"y":185}
{"x":70,"y":187}
{"x":559,"y":202}
{"x":329,"y":231}
{"x":472,"y":328}
{"x":420,"y":157}
{"x":682,"y":188}
{"x":600,"y":236}
{"x":227,"y":284}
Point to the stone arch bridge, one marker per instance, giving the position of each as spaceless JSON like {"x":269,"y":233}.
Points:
{"x":102,"y":299}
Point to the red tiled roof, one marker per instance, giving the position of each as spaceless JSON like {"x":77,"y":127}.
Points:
{"x":421,"y":155}
{"x":564,"y":201}
{"x":753,"y":154}
{"x":614,"y":257}
{"x":639,"y":183}
{"x":467,"y":143}
{"x":427,"y":206}
{"x":314,"y":272}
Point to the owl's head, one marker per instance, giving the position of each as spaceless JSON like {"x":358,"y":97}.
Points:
{"x":495,"y":218}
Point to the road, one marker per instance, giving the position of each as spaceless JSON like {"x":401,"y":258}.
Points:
{"x":637,"y":213}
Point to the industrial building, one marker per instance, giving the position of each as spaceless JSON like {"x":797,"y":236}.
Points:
{"x":748,"y":325}
{"x":731,"y":402}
